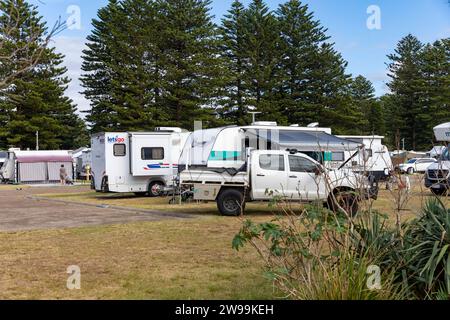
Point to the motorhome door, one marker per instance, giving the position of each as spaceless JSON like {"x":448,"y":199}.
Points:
{"x":151,"y":154}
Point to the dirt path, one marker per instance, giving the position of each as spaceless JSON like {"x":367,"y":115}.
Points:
{"x":20,"y":211}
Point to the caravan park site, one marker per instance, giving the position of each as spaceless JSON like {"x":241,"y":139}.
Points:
{"x":149,"y":257}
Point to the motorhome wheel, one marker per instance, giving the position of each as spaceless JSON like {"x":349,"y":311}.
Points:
{"x":155,"y":189}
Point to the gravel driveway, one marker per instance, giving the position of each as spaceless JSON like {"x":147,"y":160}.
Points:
{"x":19,"y":211}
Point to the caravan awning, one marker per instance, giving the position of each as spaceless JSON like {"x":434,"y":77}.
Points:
{"x":42,"y":156}
{"x":306,"y":140}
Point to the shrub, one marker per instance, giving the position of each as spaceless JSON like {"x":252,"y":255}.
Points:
{"x":319,"y":255}
{"x":427,"y":253}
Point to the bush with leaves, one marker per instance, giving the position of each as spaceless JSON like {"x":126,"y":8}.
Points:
{"x":427,"y":252}
{"x":320,"y":255}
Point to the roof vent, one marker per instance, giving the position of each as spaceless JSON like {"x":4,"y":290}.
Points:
{"x":265,"y":123}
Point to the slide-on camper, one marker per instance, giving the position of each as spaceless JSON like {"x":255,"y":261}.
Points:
{"x":35,"y":166}
{"x":233,"y":165}
{"x":437,"y":177}
{"x":138,"y":162}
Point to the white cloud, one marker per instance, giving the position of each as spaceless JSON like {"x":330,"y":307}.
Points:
{"x":72,"y":48}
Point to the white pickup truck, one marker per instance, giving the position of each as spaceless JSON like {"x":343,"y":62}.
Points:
{"x":290,"y":175}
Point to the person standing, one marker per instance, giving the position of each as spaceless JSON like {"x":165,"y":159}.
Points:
{"x":62,"y":174}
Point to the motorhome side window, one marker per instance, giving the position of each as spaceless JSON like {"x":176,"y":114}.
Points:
{"x":119,"y":150}
{"x":299,"y":164}
{"x":273,"y":162}
{"x":152,"y":153}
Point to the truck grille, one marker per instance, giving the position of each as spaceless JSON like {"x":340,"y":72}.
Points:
{"x":437,"y":174}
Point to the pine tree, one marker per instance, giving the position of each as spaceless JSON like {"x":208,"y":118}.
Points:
{"x":192,"y":67}
{"x":262,"y":55}
{"x":301,"y":38}
{"x":36,"y":101}
{"x":404,"y":71}
{"x":363,"y":100}
{"x":434,"y":90}
{"x":99,"y":69}
{"x":232,"y":33}
{"x":314,"y":85}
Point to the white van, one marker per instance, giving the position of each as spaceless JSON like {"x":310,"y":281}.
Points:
{"x":139,"y":162}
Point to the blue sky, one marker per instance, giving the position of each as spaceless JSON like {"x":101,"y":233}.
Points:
{"x":365,"y":50}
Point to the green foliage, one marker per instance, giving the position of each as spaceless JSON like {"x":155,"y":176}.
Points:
{"x":427,"y":252}
{"x":318,"y":254}
{"x":35,"y":100}
{"x":420,"y":91}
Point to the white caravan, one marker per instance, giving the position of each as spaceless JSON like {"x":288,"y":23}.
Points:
{"x":437,"y":177}
{"x":138,"y":162}
{"x":225,"y":147}
{"x":374,"y":158}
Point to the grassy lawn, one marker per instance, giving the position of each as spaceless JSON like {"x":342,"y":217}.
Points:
{"x":156,"y":260}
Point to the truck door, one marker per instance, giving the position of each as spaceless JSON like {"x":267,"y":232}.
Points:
{"x":303,"y":182}
{"x":269,"y":174}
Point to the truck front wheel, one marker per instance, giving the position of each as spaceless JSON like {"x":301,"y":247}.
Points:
{"x":347,"y":200}
{"x":230,"y":202}
{"x":439,"y":192}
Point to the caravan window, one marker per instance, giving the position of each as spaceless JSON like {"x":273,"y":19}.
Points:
{"x":152,"y":153}
{"x":337,"y":156}
{"x":120,"y":150}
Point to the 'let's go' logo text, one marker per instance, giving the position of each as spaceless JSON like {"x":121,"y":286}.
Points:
{"x":116,"y":139}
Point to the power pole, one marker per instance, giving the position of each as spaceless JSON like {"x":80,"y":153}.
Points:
{"x":37,"y":140}
{"x":403,"y":141}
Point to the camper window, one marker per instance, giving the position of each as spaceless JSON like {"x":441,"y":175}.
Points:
{"x":299,"y":164}
{"x":272,"y":162}
{"x":337,"y":156}
{"x":119,"y":150}
{"x":152,"y":153}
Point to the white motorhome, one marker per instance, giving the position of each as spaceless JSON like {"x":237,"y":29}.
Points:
{"x":373,"y":159}
{"x":138,"y":162}
{"x":437,"y":177}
